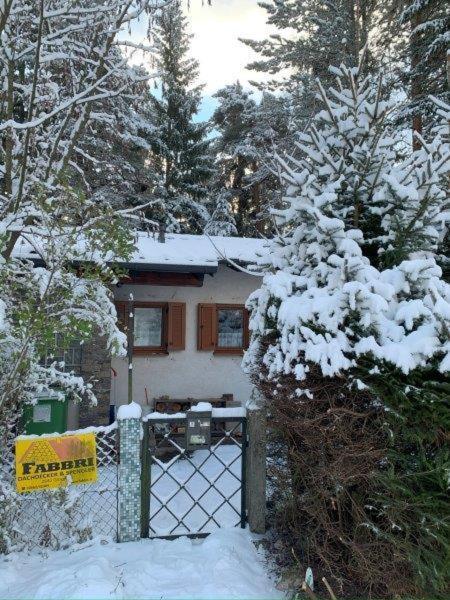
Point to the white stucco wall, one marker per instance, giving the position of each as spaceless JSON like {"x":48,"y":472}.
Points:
{"x":187,"y":373}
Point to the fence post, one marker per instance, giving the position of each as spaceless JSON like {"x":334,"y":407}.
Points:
{"x":129,"y":420}
{"x":256,"y":468}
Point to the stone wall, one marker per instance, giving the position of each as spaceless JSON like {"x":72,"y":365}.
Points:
{"x":96,"y":369}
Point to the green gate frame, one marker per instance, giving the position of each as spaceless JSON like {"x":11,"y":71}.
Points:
{"x":147,"y":454}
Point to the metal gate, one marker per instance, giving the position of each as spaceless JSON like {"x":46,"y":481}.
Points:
{"x":188,"y":492}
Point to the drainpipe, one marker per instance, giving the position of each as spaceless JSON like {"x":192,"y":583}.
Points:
{"x":113,"y":402}
{"x":130,"y":345}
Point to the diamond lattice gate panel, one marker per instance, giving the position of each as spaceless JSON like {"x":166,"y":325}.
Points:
{"x":192,"y":492}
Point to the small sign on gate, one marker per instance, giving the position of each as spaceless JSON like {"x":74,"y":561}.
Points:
{"x":46,"y":462}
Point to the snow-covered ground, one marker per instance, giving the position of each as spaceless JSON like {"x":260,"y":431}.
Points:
{"x":224,"y":565}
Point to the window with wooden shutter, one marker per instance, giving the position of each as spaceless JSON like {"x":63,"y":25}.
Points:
{"x":223,"y":328}
{"x":176,"y":325}
{"x":158,"y":326}
{"x":232,"y":329}
{"x":150,"y":328}
{"x":207,"y":326}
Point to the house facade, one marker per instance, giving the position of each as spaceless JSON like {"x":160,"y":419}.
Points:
{"x":189,"y":326}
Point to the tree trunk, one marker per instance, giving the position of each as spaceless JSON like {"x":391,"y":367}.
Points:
{"x":416,"y":80}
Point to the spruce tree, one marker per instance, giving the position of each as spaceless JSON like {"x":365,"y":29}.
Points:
{"x":222,"y":221}
{"x":311,"y":36}
{"x":349,"y":344}
{"x":179,"y":146}
{"x":411,"y":41}
{"x":247,"y":132}
{"x":233,"y":120}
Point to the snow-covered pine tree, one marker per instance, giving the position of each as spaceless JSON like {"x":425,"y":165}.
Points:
{"x":222,"y":220}
{"x":349,"y":332}
{"x":411,"y":42}
{"x":311,"y":36}
{"x":271,"y":132}
{"x":179,"y":145}
{"x":247,"y":132}
{"x":114,"y":149}
{"x":234,"y":119}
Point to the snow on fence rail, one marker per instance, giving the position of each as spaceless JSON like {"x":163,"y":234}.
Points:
{"x":59,"y":518}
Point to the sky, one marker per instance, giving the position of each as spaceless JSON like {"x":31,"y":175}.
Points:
{"x":222,"y":57}
{"x":215,"y":44}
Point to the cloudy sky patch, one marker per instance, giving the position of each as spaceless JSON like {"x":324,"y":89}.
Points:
{"x":215,"y":44}
{"x":217,"y":29}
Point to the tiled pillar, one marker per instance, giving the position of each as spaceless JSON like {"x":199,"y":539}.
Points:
{"x":129,"y":420}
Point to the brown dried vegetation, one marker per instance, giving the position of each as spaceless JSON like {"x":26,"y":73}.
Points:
{"x":326,"y":453}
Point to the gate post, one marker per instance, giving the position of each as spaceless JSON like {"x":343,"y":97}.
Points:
{"x":256,"y":468}
{"x":129,"y":420}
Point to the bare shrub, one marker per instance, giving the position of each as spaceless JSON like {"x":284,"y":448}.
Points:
{"x":329,"y":449}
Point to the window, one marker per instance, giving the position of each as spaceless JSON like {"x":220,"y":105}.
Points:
{"x":158,"y":326}
{"x":222,"y":328}
{"x":230,"y":328}
{"x":70,"y":354}
{"x":148,"y":327}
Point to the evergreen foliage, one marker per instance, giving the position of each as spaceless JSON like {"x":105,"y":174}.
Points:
{"x":410,"y":41}
{"x":353,"y":318}
{"x":247,"y":132}
{"x":222,"y":221}
{"x":179,"y":146}
{"x":311,"y":36}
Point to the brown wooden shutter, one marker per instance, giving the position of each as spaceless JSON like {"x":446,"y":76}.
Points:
{"x":176,"y":326}
{"x":121,"y":308}
{"x":207,"y":327}
{"x":246,"y":329}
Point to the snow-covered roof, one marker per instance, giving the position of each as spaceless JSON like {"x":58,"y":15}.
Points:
{"x":194,"y":251}
{"x":179,"y":252}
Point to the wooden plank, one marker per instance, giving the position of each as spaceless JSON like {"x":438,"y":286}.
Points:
{"x":206,"y":327}
{"x":176,"y":326}
{"x":161,"y":278}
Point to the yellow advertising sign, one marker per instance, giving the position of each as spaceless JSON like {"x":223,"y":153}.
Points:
{"x":46,"y":462}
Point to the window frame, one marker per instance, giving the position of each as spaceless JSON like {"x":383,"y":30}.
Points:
{"x":236,"y":350}
{"x":73,"y":349}
{"x":162,"y":349}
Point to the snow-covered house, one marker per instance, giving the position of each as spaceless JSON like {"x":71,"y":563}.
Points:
{"x":190,"y":325}
{"x":190,"y":322}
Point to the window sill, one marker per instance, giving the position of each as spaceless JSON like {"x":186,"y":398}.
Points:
{"x":150,"y":351}
{"x":229,"y":351}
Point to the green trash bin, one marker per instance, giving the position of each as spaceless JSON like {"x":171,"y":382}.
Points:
{"x":48,"y":415}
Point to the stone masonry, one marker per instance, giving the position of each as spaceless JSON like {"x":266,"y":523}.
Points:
{"x":96,"y":369}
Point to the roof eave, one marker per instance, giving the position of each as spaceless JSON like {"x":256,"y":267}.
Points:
{"x":145,"y":267}
{"x":168,"y":268}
